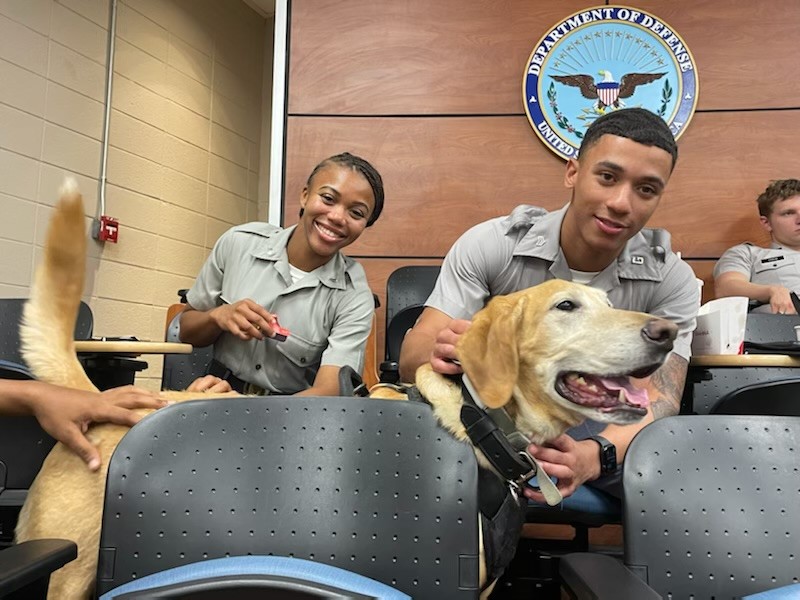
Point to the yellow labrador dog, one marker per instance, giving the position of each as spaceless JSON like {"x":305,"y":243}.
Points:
{"x":64,"y":485}
{"x":551,"y":356}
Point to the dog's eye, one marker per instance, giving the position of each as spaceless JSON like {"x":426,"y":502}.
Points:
{"x":567,"y":305}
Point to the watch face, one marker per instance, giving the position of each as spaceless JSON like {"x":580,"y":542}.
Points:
{"x":609,"y":462}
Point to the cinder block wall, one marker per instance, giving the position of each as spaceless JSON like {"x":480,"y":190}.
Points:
{"x":183,"y":161}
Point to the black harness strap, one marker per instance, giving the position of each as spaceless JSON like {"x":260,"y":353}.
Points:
{"x":502,"y":513}
{"x":513,"y":464}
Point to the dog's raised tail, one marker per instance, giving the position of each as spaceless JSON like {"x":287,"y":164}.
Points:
{"x":48,"y":322}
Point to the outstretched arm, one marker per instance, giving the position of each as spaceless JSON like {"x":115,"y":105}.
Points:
{"x":733,"y":283}
{"x":66,"y":413}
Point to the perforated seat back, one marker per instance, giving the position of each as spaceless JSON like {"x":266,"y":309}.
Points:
{"x":372,"y":486}
{"x":763,"y":328}
{"x":711,"y":505}
{"x":407,"y":286}
{"x":721,"y":381}
{"x":764,"y":398}
{"x":182,"y":369}
{"x":400,"y":324}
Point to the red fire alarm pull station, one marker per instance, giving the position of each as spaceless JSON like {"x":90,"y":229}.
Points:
{"x":109,"y":229}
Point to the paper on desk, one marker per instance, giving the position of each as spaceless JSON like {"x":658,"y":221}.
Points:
{"x":720,"y":326}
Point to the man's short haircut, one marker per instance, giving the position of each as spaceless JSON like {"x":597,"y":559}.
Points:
{"x":637,"y":124}
{"x":779,"y":189}
{"x":370,"y":173}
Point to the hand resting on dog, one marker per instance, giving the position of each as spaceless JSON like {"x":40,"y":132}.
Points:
{"x":66,"y":413}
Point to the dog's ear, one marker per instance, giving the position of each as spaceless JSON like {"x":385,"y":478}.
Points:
{"x":488,"y":350}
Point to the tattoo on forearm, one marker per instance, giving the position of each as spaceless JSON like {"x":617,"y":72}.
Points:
{"x":668,"y":382}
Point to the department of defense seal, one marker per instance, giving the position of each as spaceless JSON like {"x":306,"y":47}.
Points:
{"x":602,"y":59}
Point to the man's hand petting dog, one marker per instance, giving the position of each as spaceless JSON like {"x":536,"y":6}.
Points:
{"x":443,"y":356}
{"x":571,"y":462}
{"x":68,"y":420}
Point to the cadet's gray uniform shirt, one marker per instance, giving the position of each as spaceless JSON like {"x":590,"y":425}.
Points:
{"x":328,"y":312}
{"x":510,"y":253}
{"x":765,"y":266}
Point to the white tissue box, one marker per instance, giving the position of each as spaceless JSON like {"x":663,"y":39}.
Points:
{"x":720,"y":326}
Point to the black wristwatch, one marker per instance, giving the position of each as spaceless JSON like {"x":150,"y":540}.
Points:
{"x":608,"y":455}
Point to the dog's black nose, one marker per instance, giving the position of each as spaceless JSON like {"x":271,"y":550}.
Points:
{"x":661,"y":332}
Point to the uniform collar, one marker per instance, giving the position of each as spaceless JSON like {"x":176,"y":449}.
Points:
{"x":542,"y":238}
{"x":642,"y":258}
{"x":332,"y":274}
{"x":776,"y":246}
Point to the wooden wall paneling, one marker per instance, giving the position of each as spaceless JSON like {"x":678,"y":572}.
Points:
{"x":450,"y":56}
{"x":726,"y":160}
{"x":441,"y":175}
{"x":703,"y":269}
{"x":444,"y":175}
{"x":363,"y":57}
{"x":744,"y":49}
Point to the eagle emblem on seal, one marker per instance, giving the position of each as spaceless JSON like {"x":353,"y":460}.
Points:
{"x":608,"y":92}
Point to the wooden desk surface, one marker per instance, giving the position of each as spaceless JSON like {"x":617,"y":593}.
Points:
{"x":745,"y":360}
{"x":132,"y":348}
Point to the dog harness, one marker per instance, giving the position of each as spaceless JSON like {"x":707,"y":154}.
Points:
{"x":493,"y":431}
{"x":502,"y":510}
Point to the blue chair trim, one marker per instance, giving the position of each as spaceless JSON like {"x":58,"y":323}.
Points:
{"x":262,"y":565}
{"x":787,"y":592}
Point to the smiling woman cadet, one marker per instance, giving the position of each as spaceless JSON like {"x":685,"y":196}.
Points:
{"x":258,"y":273}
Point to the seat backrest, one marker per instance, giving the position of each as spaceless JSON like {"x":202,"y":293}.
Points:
{"x":398,"y":326}
{"x":372,"y":486}
{"x":182,"y":369}
{"x":780,"y":397}
{"x":407,"y":286}
{"x":709,"y":384}
{"x":711,"y":505}
{"x":11,"y":317}
{"x":763,"y":328}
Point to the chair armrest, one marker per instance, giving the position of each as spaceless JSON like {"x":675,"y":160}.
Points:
{"x":25,"y":563}
{"x":590,"y":576}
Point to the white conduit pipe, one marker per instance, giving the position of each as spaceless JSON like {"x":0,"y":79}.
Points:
{"x":112,"y":34}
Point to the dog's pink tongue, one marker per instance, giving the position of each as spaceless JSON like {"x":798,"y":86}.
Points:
{"x":634,"y":396}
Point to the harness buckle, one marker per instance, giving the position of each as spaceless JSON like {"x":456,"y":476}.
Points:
{"x":514,"y":489}
{"x":522,"y":479}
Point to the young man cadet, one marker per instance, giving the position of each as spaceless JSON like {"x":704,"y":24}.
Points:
{"x":626,"y":159}
{"x":768,"y":275}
